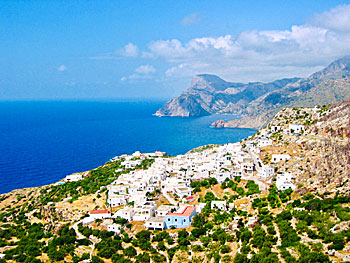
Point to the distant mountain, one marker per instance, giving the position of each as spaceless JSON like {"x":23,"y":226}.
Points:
{"x":209,"y":94}
{"x":258,"y":102}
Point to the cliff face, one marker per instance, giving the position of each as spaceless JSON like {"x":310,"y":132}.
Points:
{"x":259,"y":102}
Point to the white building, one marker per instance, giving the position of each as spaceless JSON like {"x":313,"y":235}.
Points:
{"x":126,"y":213}
{"x":220,"y":205}
{"x":114,"y":228}
{"x":264,"y":142}
{"x":266,"y":171}
{"x":164,"y":209}
{"x":88,"y":220}
{"x":131,"y":163}
{"x":142,"y":213}
{"x":139,"y":198}
{"x":73,"y":177}
{"x":284,"y":181}
{"x":117,"y":200}
{"x":183,"y":191}
{"x":296,"y":128}
{"x":274,"y":129}
{"x":155,"y":223}
{"x":100,"y":214}
{"x":279,"y":158}
{"x":221,"y":177}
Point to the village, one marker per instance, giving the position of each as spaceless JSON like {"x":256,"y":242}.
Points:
{"x":217,"y":203}
{"x":128,"y":196}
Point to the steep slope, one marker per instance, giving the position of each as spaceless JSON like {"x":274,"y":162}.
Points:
{"x":320,"y":154}
{"x":259,"y":102}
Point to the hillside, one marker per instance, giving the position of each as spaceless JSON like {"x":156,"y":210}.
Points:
{"x":259,"y":222}
{"x":258,"y":102}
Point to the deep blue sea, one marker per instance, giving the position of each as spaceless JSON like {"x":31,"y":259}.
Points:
{"x":41,"y":142}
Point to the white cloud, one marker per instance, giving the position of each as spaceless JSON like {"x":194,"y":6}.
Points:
{"x":142,"y":72}
{"x":145,"y":69}
{"x":190,"y":19}
{"x":261,"y":55}
{"x":129,"y":50}
{"x":251,"y":55}
{"x":62,"y":68}
{"x":337,"y":19}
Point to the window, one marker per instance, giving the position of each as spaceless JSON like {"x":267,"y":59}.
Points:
{"x":175,"y":219}
{"x":169,"y":219}
{"x":184,"y":220}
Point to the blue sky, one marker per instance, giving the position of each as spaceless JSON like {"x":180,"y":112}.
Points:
{"x":151,"y":49}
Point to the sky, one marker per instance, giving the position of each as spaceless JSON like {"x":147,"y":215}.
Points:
{"x":77,"y":50}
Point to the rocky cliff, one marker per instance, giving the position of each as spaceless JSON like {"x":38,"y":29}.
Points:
{"x":259,"y":102}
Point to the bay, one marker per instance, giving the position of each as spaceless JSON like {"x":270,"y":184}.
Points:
{"x":42,"y":141}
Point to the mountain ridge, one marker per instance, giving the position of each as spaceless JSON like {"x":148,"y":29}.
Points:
{"x":258,"y":102}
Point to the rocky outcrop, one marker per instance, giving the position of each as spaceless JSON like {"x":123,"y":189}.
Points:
{"x":252,"y":122}
{"x":258,"y":102}
{"x":218,"y":124}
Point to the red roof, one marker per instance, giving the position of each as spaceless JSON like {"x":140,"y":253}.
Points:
{"x":189,"y":198}
{"x":100,"y":212}
{"x":186,"y":212}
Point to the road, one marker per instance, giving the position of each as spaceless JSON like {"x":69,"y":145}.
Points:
{"x":81,"y":236}
{"x":324,"y":138}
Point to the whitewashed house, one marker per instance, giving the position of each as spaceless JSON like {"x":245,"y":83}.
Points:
{"x":266,"y":171}
{"x":142,"y":213}
{"x":155,"y":223}
{"x":263,"y":142}
{"x":221,"y":177}
{"x":117,"y":200}
{"x":219,"y":205}
{"x":284,"y":181}
{"x":73,"y":177}
{"x":126,"y":213}
{"x":87,"y":220}
{"x":131,"y":163}
{"x":274,"y":129}
{"x":114,"y":228}
{"x":139,"y":198}
{"x":164,"y":209}
{"x":280,"y":158}
{"x":100,"y":214}
{"x":247,"y":166}
{"x":183,"y":191}
{"x":296,"y":128}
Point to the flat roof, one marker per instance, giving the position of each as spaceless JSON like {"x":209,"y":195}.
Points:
{"x":185,"y":212}
{"x":165,"y":207}
{"x":158,"y":219}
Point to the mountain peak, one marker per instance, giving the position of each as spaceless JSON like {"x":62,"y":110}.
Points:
{"x":208,"y":82}
{"x":337,"y":69}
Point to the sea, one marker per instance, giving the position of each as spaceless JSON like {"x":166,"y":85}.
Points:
{"x":43,"y":141}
